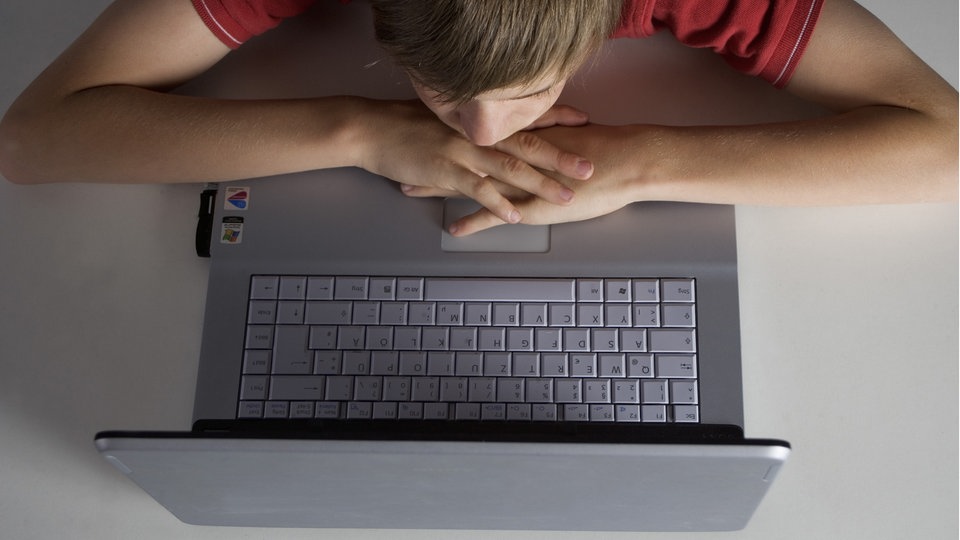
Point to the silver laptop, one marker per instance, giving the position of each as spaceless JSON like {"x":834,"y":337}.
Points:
{"x":361,"y":368}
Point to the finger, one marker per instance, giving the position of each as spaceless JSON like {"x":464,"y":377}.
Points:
{"x":560,"y":115}
{"x":427,"y":191}
{"x":534,"y":150}
{"x":516,"y":171}
{"x":478,"y":221}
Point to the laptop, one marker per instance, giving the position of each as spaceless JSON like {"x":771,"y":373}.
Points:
{"x":360,"y":368}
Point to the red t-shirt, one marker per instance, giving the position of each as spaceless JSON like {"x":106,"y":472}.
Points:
{"x":765,"y":38}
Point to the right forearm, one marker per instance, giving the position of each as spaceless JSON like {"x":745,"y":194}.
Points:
{"x":123,"y":134}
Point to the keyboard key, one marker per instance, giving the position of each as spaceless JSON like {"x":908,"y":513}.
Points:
{"x":569,"y":390}
{"x":686,"y":413}
{"x":301,"y":409}
{"x":359,"y":409}
{"x":677,"y":290}
{"x":526,"y":364}
{"x":482,"y":389}
{"x":646,"y":290}
{"x":290,"y":351}
{"x":678,"y":315}
{"x":590,"y":290}
{"x":683,"y":392}
{"x":627,"y":413}
{"x":276,"y":409}
{"x":297,"y":387}
{"x":350,"y":288}
{"x":497,"y":364}
{"x":250,"y":409}
{"x":626,"y":391}
{"x":256,"y":362}
{"x":293,"y":288}
{"x":500,"y":290}
{"x":533,"y":314}
{"x":425,"y":388}
{"x":440,"y":363}
{"x":554,"y":365}
{"x":262,"y":312}
{"x":539,"y":390}
{"x":320,"y":288}
{"x":253,"y":387}
{"x":410,"y":289}
{"x":672,"y":340}
{"x":506,"y":314}
{"x":327,"y":409}
{"x":259,"y":337}
{"x":467,"y":411}
{"x":338,"y":388}
{"x":328,"y":313}
{"x":576,"y":413}
{"x":601,"y":413}
{"x":264,"y":287}
{"x":510,"y":390}
{"x":519,"y":411}
{"x":382,"y":288}
{"x":654,"y":391}
{"x":639,"y":365}
{"x":544,"y":412}
{"x":436,"y":411}
{"x":493,"y":411}
{"x":617,"y":290}
{"x":677,"y":366}
{"x":367,"y":388}
{"x":612,"y":365}
{"x":583,"y":365}
{"x":596,"y":391}
{"x":653,"y":413}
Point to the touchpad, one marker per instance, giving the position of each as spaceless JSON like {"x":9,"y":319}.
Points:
{"x":504,"y":238}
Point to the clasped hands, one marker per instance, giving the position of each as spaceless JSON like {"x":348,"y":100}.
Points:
{"x":528,"y":177}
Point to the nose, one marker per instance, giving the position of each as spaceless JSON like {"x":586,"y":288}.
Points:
{"x":485,"y":123}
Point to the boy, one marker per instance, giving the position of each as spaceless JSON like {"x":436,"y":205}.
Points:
{"x":494,"y":134}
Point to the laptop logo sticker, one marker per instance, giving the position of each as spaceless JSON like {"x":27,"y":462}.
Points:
{"x":231,"y":230}
{"x":236,"y":198}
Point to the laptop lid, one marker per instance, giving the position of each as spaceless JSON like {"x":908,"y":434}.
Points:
{"x":287,"y":482}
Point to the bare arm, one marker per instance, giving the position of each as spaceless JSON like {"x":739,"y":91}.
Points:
{"x":893,"y":139}
{"x":99,"y":114}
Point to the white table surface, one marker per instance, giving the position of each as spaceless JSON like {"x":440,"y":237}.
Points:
{"x":849,"y":317}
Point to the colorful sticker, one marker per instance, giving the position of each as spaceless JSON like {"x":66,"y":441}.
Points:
{"x":231,"y":230}
{"x":236,"y":198}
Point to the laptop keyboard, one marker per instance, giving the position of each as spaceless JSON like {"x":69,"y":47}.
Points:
{"x":375,"y":347}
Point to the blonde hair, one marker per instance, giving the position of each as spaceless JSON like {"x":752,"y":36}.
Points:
{"x":462,"y":48}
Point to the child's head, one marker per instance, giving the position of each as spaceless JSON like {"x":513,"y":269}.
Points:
{"x":491,"y":55}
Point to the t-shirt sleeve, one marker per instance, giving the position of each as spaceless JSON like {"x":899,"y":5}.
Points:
{"x":765,"y":38}
{"x":236,"y":21}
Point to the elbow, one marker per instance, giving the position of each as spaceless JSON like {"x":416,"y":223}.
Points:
{"x":14,"y":161}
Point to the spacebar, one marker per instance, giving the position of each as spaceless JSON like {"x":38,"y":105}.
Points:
{"x":499,"y":290}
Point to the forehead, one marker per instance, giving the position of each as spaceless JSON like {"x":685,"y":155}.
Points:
{"x":539,"y":85}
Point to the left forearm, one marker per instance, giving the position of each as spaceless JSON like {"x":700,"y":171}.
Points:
{"x":869,"y":155}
